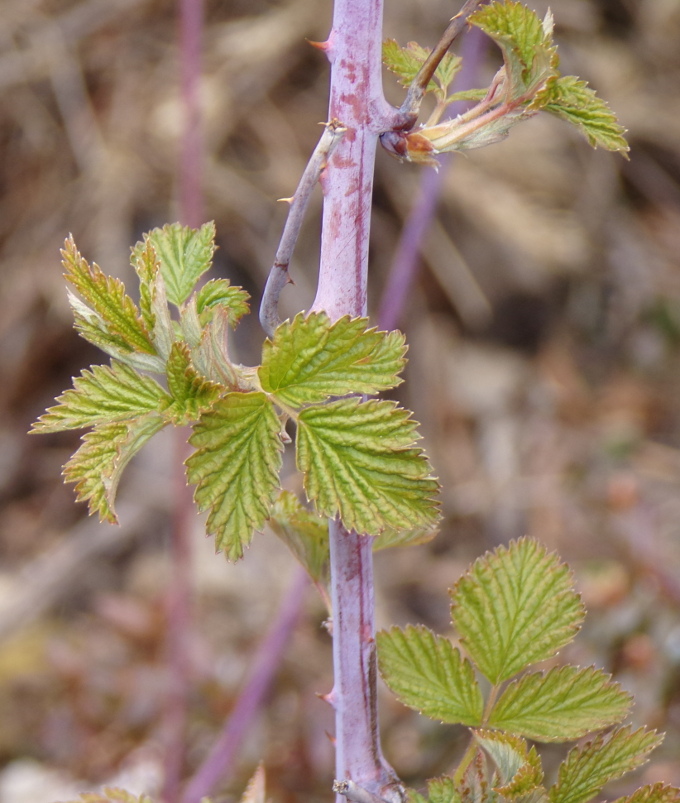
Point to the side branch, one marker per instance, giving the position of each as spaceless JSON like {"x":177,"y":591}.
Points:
{"x":278,"y":275}
{"x":410,"y":108}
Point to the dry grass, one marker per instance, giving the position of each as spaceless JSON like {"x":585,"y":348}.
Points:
{"x":544,"y":365}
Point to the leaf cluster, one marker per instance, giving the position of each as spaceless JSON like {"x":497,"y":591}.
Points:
{"x":358,"y":455}
{"x":405,"y":62}
{"x":528,"y":82}
{"x":515,"y":608}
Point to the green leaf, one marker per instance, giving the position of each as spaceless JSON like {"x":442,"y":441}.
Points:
{"x":393,"y":538}
{"x":360,"y":464}
{"x":185,"y":255}
{"x":106,"y":313}
{"x":439,"y":790}
{"x":90,"y":326}
{"x":428,"y":673}
{"x":515,"y":607}
{"x":192,"y":394}
{"x":104,"y":395}
{"x":589,"y":767}
{"x":220,"y":293}
{"x":210,"y":355}
{"x":98,"y":464}
{"x":310,"y":359}
{"x":451,"y":136}
{"x":236,"y":467}
{"x":413,"y":796}
{"x":573,"y":100}
{"x":405,"y":62}
{"x":153,"y":301}
{"x":528,"y":52}
{"x":467,"y":94}
{"x":519,"y":769}
{"x":474,"y":786}
{"x":655,"y":793}
{"x":190,"y":323}
{"x":147,"y":267}
{"x":562,"y":704}
{"x":305,"y":534}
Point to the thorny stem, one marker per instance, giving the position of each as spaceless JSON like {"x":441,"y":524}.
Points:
{"x":278,"y":275}
{"x":356,"y":98}
{"x":416,"y":91}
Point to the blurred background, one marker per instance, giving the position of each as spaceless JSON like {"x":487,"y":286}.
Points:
{"x":544,"y":332}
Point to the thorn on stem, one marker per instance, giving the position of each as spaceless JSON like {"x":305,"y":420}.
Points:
{"x":328,"y":698}
{"x":324,"y":46}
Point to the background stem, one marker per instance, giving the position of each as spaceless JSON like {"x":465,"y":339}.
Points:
{"x":220,"y":761}
{"x":179,"y":603}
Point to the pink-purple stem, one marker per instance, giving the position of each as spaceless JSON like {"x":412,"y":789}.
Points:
{"x":357,"y":101}
{"x":406,"y":263}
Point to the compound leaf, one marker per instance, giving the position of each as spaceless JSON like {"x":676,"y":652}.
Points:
{"x":97,"y":466}
{"x":589,"y":767}
{"x":185,"y":254}
{"x":310,"y":359}
{"x":405,"y":62}
{"x":571,"y":99}
{"x":515,"y":607}
{"x":562,"y":704}
{"x":106,"y":315}
{"x":654,"y":793}
{"x":236,"y":467}
{"x":528,"y":52}
{"x":104,"y":394}
{"x":428,"y":673}
{"x":192,"y":394}
{"x":359,"y":463}
{"x":220,"y":292}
